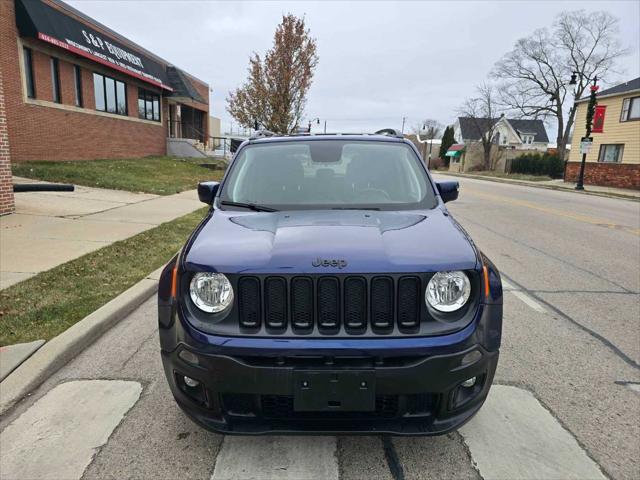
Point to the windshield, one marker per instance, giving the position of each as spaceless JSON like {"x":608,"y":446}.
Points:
{"x":329,"y":174}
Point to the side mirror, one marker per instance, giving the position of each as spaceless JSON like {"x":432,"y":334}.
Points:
{"x":207,"y":191}
{"x":448,"y":190}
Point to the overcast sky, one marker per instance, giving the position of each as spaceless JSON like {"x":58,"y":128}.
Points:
{"x":379,"y":61}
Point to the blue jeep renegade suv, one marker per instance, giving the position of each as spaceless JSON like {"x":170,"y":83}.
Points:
{"x":329,"y":290}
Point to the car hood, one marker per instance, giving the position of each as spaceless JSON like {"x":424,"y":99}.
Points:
{"x":330,"y":241}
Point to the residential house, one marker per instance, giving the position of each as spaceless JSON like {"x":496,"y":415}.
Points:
{"x":614,"y":157}
{"x":511,"y":137}
{"x":509,"y":132}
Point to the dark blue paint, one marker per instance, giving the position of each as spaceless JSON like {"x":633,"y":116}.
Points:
{"x":370,"y":241}
{"x":237,"y":241}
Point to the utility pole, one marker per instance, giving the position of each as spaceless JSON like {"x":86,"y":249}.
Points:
{"x":591,"y":109}
{"x":403,"y":120}
{"x":325,"y":126}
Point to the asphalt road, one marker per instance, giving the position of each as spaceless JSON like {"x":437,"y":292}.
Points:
{"x":566,"y":403}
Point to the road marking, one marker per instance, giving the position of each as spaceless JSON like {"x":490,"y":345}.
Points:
{"x":277,"y":457}
{"x":514,"y":437}
{"x":58,"y":435}
{"x":509,"y":287}
{"x":553,"y":211}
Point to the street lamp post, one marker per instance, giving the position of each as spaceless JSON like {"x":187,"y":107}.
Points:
{"x":591,"y":109}
{"x":317,"y":120}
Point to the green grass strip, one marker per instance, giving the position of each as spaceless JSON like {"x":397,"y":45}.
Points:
{"x":47,"y":304}
{"x":159,"y":175}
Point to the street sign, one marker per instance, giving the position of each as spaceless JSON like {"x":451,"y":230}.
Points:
{"x":585,"y":144}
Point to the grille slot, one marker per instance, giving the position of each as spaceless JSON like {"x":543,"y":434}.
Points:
{"x":409,"y":302}
{"x":328,"y":303}
{"x":275,"y":293}
{"x":249,"y":302}
{"x":382,"y":302}
{"x":302,"y":303}
{"x":355,"y":302}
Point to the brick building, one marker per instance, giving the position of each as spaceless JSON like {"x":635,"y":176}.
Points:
{"x":614,"y":158}
{"x":76,"y":90}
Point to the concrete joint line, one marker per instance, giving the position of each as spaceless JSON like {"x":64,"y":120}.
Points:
{"x":58,"y":351}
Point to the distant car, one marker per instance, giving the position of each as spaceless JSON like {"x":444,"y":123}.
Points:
{"x":329,"y":290}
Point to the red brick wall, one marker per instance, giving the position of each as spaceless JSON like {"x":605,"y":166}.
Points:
{"x":621,"y":175}
{"x":6,"y":185}
{"x":40,"y":132}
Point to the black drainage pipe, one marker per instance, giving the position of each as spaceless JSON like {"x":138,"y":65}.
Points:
{"x":42,"y":187}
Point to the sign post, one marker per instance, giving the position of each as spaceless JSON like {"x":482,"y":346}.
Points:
{"x":591,"y":109}
{"x":585,"y":145}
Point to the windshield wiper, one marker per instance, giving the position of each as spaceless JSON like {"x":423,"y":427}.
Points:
{"x":250,"y":206}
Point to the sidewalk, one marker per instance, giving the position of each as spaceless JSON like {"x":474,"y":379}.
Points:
{"x":50,"y":228}
{"x":554,"y":185}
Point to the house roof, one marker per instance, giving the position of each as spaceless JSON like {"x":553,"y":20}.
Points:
{"x":625,"y":87}
{"x":470,"y":131}
{"x":530,"y":126}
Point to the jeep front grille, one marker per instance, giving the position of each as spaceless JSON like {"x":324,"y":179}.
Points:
{"x":328,"y":305}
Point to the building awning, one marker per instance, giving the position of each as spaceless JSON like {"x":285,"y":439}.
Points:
{"x":182,"y":86}
{"x":36,"y":19}
{"x":455,"y":150}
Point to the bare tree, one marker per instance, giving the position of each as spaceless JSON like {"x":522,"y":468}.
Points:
{"x":429,"y":129}
{"x":536,"y":73}
{"x":483,"y":110}
{"x":275,"y":92}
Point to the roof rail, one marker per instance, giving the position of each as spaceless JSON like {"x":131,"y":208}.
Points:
{"x":391,"y":132}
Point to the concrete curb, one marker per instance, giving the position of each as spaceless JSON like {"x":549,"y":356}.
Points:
{"x":535,"y":185}
{"x":58,"y":351}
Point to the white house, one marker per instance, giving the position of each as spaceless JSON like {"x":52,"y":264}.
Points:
{"x":509,"y":133}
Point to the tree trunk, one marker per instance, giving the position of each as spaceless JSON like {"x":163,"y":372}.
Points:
{"x":567,"y":132}
{"x":487,"y":156}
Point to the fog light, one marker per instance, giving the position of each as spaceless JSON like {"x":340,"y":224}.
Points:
{"x":470,"y":382}
{"x":189,"y":357}
{"x":190,"y":382}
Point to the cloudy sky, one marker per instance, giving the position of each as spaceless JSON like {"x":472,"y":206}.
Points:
{"x":379,"y":61}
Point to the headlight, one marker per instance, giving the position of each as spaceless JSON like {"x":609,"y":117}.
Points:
{"x":211,"y":292}
{"x":448,"y":291}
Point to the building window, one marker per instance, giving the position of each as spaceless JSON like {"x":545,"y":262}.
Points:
{"x":110,"y":94}
{"x":148,"y":105}
{"x":98,"y":91}
{"x":527,"y":139}
{"x":77,"y":85}
{"x":55,"y":79}
{"x":611,"y":153}
{"x":630,"y":109}
{"x":28,"y":73}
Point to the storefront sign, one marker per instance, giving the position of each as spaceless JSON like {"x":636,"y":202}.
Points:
{"x":598,"y":119}
{"x":39,"y":20}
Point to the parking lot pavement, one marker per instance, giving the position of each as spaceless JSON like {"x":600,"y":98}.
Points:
{"x":565,"y":404}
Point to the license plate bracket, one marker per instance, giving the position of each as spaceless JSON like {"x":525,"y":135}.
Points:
{"x":334,"y":391}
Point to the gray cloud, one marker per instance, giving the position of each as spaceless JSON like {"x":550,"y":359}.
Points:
{"x":379,"y":61}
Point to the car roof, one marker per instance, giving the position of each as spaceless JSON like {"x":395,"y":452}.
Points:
{"x":305,"y":137}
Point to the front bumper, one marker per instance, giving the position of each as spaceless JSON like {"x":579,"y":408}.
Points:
{"x":414,"y":395}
